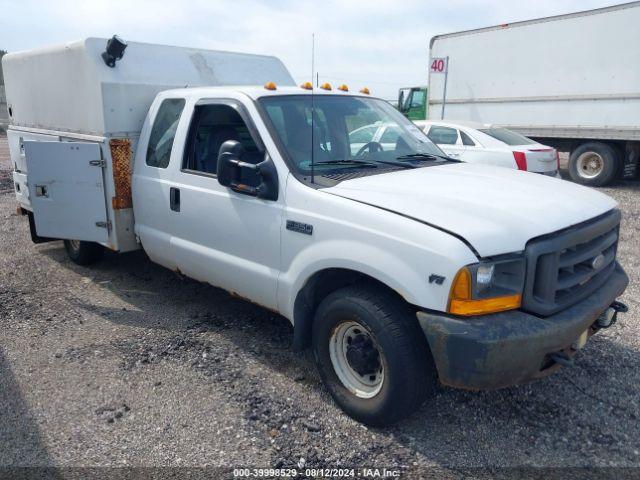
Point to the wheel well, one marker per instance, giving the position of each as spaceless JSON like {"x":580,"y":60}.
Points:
{"x":317,"y":287}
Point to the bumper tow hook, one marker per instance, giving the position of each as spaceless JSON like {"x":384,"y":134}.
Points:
{"x":610,"y":315}
{"x":562,"y":359}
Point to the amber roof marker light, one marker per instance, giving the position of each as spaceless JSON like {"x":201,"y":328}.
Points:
{"x":270,"y":86}
{"x":306,"y":85}
{"x":343,"y":88}
{"x":365,"y":90}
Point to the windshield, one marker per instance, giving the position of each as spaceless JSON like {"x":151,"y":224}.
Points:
{"x":507,"y":136}
{"x":348,"y":132}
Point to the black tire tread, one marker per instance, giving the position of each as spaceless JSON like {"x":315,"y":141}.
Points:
{"x":612,"y":166}
{"x":400,"y":324}
{"x":88,"y":253}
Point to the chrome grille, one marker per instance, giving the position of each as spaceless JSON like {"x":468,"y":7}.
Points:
{"x":567,"y":266}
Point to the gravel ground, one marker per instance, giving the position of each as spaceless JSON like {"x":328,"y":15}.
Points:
{"x":126,"y":363}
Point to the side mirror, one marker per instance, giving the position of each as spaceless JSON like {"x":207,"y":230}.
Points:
{"x":231,"y":167}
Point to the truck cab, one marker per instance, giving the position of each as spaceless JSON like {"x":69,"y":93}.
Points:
{"x":412,"y":102}
{"x":399,"y":266}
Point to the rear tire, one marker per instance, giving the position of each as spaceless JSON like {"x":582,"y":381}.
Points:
{"x":594,"y":164}
{"x":348,"y":324}
{"x":83,"y":253}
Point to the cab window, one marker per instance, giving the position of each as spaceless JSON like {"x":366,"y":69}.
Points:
{"x":163,"y":132}
{"x":417,"y":99}
{"x":211,"y":126}
{"x":443,"y":135}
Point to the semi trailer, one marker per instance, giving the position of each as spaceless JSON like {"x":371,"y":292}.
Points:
{"x":568,"y":81}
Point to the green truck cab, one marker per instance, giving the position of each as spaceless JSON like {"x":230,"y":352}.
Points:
{"x":412,"y":102}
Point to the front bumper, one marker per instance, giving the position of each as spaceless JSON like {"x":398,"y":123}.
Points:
{"x":507,"y":348}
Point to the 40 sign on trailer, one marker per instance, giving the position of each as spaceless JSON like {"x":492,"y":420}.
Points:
{"x":439,"y":65}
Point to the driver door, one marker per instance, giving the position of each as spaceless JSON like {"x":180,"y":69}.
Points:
{"x":218,"y":235}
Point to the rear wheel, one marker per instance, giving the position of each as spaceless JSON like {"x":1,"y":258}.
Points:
{"x":83,"y":253}
{"x":594,"y":164}
{"x":372,"y":354}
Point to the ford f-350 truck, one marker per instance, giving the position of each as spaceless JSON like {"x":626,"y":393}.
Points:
{"x":399,"y":266}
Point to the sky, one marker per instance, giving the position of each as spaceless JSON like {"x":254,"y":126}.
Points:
{"x":381,"y":44}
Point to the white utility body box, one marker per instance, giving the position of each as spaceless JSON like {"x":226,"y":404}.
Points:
{"x":75,"y":121}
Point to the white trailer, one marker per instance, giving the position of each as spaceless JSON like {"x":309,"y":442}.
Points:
{"x":570,"y":81}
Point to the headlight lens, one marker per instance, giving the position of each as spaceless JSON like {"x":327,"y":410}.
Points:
{"x":484,"y":276}
{"x":488,"y":287}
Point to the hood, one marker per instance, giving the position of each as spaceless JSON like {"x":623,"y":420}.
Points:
{"x":496,"y":210}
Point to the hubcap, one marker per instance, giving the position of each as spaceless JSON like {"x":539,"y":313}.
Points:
{"x":356,"y":359}
{"x":590,"y":164}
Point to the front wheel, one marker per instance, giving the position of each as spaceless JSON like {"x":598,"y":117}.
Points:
{"x":83,"y":253}
{"x":372,"y":354}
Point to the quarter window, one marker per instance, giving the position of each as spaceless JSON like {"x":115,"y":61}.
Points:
{"x":466,"y":139}
{"x":163,"y":132}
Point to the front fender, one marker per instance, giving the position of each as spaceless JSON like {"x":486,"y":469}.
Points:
{"x":399,"y":252}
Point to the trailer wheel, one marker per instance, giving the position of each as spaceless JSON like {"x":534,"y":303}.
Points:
{"x":372,"y":355}
{"x":83,"y":253}
{"x":594,"y":164}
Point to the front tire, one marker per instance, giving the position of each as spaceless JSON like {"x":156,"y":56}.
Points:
{"x":372,"y":355}
{"x":594,"y":164}
{"x":83,"y":253}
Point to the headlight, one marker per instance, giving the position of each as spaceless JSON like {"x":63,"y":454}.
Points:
{"x":484,"y":276}
{"x":488,"y":287}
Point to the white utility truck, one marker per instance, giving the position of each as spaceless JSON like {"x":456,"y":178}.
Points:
{"x":569,"y":81}
{"x":399,"y":265}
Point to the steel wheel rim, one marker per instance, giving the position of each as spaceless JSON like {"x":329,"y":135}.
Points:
{"x":344,"y":335}
{"x":590,"y":165}
{"x":75,"y":244}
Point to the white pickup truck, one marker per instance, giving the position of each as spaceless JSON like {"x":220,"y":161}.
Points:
{"x":399,"y":266}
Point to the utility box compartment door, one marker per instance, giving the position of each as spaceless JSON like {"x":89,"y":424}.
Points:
{"x":66,"y":189}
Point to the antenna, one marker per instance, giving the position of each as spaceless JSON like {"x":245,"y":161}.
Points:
{"x":313,"y":46}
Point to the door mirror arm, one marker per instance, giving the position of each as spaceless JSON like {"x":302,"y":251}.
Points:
{"x":230,"y":167}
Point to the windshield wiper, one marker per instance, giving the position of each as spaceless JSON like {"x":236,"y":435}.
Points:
{"x":365,"y":163}
{"x":397,"y":164}
{"x":432,"y":156}
{"x":354,"y":163}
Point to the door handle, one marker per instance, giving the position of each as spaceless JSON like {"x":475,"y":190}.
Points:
{"x":174,"y":199}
